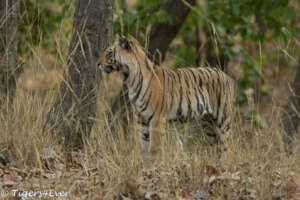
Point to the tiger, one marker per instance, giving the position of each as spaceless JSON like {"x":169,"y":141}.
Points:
{"x":161,"y":94}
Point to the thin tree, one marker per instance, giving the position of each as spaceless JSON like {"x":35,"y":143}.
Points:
{"x":9,"y":69}
{"x":291,"y":117}
{"x":163,"y":33}
{"x":74,"y":111}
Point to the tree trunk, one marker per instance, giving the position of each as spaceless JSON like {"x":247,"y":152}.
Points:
{"x":212,"y":59}
{"x":74,"y":112}
{"x":9,"y":69}
{"x":162,"y":33}
{"x":291,"y":117}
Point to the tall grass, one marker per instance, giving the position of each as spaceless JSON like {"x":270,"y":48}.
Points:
{"x":110,"y":163}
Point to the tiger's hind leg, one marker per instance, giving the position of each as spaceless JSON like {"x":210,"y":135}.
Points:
{"x":218,"y":134}
{"x":224,"y":131}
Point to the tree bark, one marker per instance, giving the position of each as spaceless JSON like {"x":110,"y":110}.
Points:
{"x":74,"y":112}
{"x":9,"y":69}
{"x":291,"y":117}
{"x":162,"y":33}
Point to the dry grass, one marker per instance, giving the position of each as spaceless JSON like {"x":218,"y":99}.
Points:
{"x":110,"y":166}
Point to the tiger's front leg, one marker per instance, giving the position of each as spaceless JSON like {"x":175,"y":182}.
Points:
{"x":156,"y":143}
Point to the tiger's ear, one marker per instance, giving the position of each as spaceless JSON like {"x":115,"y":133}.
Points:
{"x":124,"y":43}
{"x":133,"y":40}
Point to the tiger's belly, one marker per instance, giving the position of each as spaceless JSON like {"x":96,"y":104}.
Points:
{"x":183,"y":113}
{"x":186,"y":112}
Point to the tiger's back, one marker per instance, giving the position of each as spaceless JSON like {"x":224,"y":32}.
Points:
{"x":190,"y":93}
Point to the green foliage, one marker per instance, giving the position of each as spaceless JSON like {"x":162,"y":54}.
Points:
{"x":39,"y":19}
{"x":252,"y":20}
{"x":136,"y":21}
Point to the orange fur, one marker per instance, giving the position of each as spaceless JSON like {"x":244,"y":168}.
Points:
{"x":159,"y":94}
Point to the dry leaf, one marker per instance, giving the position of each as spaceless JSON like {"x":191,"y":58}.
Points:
{"x":49,"y":175}
{"x":212,"y":179}
{"x":185,"y":193}
{"x":9,"y":183}
{"x":210,"y":171}
{"x":291,"y":186}
{"x":35,"y":172}
{"x":230,"y":176}
{"x":155,"y":197}
{"x":125,"y":198}
{"x":20,"y":172}
{"x":133,"y":189}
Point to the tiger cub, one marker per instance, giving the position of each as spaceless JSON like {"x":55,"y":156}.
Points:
{"x":160,"y":94}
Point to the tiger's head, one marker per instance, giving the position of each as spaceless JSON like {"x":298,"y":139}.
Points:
{"x":125,"y":56}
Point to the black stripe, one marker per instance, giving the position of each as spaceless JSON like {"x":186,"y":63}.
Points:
{"x":133,"y":81}
{"x":218,"y":108}
{"x":146,"y":136}
{"x":192,"y":72}
{"x":219,"y":94}
{"x":149,"y":119}
{"x":168,"y":91}
{"x":179,"y":110}
{"x":172,"y":77}
{"x":126,"y":74}
{"x":197,"y":98}
{"x":146,"y":103}
{"x":147,"y":63}
{"x":203,"y":100}
{"x":163,"y":72}
{"x":209,"y":69}
{"x":208,"y":85}
{"x":195,"y":88}
{"x":139,"y":72}
{"x":224,"y":113}
{"x":203,"y":72}
{"x":163,"y":94}
{"x":149,"y":84}
{"x":139,"y":89}
{"x":138,"y":76}
{"x":189,"y":111}
{"x":186,"y":79}
{"x":187,"y":93}
{"x":200,"y":76}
